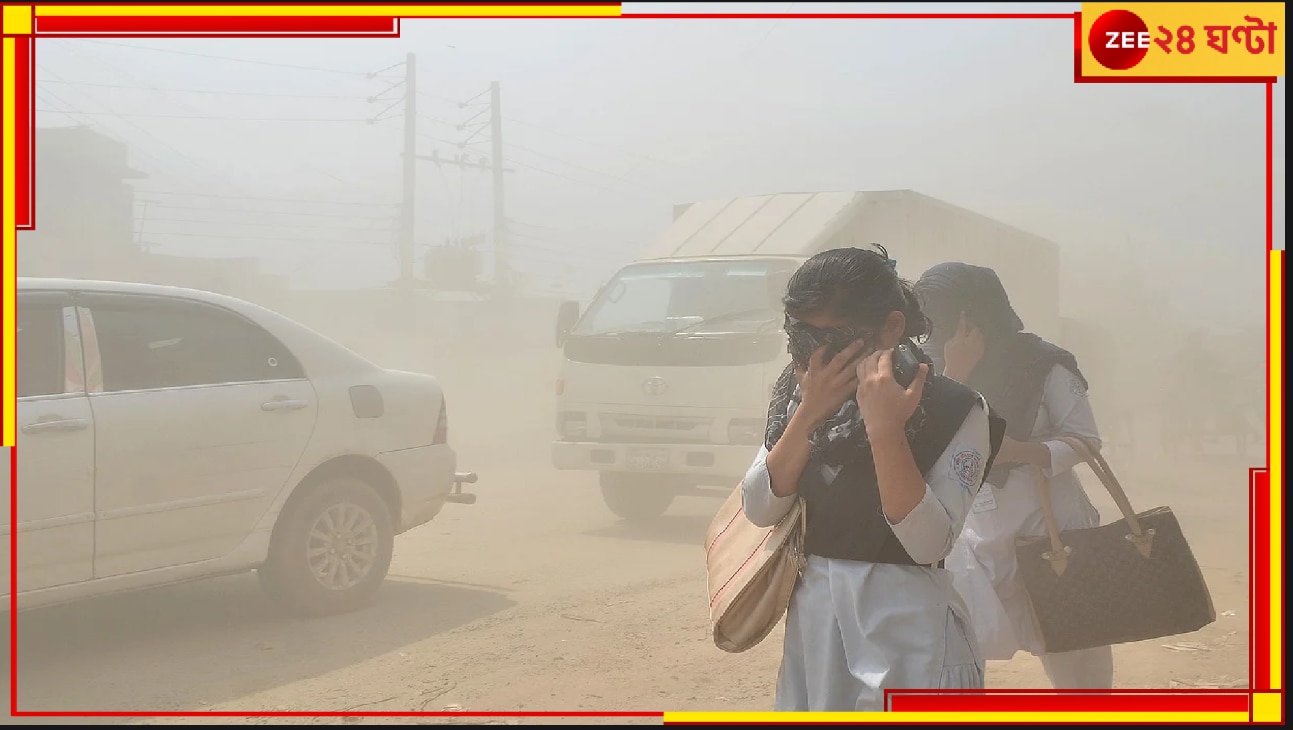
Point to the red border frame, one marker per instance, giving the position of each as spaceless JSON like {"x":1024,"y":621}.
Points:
{"x":367,"y":27}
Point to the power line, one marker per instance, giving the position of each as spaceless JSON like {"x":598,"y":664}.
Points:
{"x":467,"y":104}
{"x":150,"y":136}
{"x":214,"y":92}
{"x":479,"y":128}
{"x":231,"y":59}
{"x":186,"y":107}
{"x":562,"y":258}
{"x":575,"y":180}
{"x":154,"y":204}
{"x":473,"y":118}
{"x":456,"y":102}
{"x":527,"y":224}
{"x":378,"y":116}
{"x":554,"y":249}
{"x":536,"y":168}
{"x":451,"y":143}
{"x":267,"y":199}
{"x":149,"y":219}
{"x":441,"y":122}
{"x":277,"y":239}
{"x":565,"y":233}
{"x":577,"y":166}
{"x":378,"y":96}
{"x":72,"y":114}
{"x":124,"y":115}
{"x":395,"y":65}
{"x":468,"y":142}
{"x":591,"y":143}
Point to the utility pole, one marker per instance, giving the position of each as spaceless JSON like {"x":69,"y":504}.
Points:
{"x":502,"y":283}
{"x":139,"y":237}
{"x":410,"y":180}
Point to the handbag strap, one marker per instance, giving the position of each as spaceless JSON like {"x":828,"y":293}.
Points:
{"x":1106,"y":476}
{"x":1059,"y":552}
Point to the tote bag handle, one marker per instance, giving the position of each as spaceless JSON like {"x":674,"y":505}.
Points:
{"x":1059,"y":552}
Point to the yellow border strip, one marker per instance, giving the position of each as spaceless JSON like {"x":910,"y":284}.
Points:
{"x":354,"y":11}
{"x":1268,"y":707}
{"x":954,"y":718}
{"x":1275,"y":429}
{"x":17,"y":19}
{"x":8,"y":213}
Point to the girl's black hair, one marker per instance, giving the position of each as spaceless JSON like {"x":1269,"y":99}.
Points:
{"x":859,"y":285}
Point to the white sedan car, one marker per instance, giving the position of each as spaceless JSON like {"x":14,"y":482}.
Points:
{"x":167,"y":434}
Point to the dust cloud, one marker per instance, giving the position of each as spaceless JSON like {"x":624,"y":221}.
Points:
{"x":272,"y":171}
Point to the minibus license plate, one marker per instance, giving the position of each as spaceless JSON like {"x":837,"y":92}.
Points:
{"x":647,"y":459}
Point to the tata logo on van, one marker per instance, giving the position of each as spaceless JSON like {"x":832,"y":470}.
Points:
{"x":655,"y":386}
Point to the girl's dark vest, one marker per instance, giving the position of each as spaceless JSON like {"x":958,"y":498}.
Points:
{"x":845,"y":519}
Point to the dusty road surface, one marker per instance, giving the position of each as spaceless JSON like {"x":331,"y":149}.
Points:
{"x":537,"y":598}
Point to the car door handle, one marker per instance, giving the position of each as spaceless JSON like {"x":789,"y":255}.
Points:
{"x":57,"y":424}
{"x":283,"y":405}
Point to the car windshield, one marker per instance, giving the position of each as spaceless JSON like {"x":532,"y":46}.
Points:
{"x":692,"y":296}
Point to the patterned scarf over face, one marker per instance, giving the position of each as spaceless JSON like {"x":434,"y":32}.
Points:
{"x":805,"y":339}
{"x":842,"y":438}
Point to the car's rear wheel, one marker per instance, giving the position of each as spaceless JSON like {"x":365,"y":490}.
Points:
{"x":638,"y":497}
{"x":331,"y":550}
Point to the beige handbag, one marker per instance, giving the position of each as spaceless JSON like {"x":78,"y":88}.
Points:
{"x":751,"y":573}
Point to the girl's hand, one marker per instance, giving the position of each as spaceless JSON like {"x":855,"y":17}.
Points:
{"x":826,"y":384}
{"x":885,"y":405}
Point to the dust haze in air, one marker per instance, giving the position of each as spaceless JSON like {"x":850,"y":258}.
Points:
{"x":1155,"y":193}
{"x":288,"y":152}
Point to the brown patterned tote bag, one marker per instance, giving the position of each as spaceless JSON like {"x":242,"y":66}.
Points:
{"x":1130,"y":580}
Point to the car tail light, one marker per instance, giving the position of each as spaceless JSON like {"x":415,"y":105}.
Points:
{"x":561,"y":386}
{"x":745,"y":431}
{"x":572,"y":425}
{"x":442,"y":425}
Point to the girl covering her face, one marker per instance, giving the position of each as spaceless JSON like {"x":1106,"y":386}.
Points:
{"x":886,"y":475}
{"x":1038,"y":388}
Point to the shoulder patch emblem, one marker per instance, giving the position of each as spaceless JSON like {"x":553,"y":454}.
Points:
{"x":1076,"y":388}
{"x":967,"y":468}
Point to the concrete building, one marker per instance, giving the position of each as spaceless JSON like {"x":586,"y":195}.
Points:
{"x":85,"y":224}
{"x":84,"y":208}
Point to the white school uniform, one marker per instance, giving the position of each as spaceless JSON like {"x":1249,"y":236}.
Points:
{"x":983,"y":559}
{"x":856,"y":628}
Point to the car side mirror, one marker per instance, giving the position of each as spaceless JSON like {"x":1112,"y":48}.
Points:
{"x":567,"y":317}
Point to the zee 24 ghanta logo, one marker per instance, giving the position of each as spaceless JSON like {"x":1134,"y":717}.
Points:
{"x":1120,"y":39}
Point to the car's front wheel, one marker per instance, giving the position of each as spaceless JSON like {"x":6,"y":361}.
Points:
{"x":331,"y":550}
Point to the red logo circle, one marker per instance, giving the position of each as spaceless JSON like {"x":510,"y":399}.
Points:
{"x":1119,"y":39}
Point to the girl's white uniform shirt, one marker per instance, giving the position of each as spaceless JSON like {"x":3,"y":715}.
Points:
{"x":983,"y":559}
{"x":856,"y":628}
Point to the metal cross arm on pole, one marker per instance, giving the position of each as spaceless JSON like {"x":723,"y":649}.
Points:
{"x":456,"y":162}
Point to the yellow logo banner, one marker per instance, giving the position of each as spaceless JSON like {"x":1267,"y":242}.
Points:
{"x":1183,"y":40}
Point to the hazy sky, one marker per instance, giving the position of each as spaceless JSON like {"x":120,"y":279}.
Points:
{"x":608,"y":123}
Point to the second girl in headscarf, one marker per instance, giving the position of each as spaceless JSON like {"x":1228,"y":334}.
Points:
{"x":978,"y":339}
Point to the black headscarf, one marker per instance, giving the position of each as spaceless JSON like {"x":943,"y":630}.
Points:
{"x":1012,"y":374}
